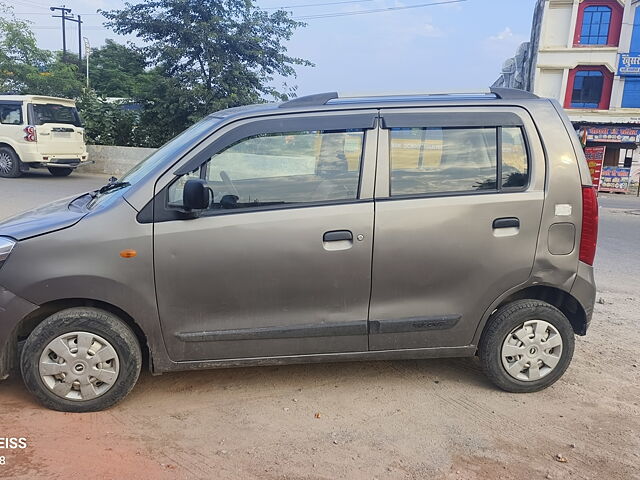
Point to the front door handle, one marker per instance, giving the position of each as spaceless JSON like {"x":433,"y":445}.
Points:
{"x":337,"y":235}
{"x":506,"y":222}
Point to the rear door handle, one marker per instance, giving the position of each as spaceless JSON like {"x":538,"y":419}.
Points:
{"x":506,"y":222}
{"x":337,"y":235}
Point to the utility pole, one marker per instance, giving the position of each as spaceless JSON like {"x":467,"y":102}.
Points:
{"x":79,"y":22}
{"x":63,"y":15}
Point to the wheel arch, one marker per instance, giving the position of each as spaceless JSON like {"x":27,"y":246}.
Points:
{"x":562,"y":300}
{"x":5,"y":144}
{"x":35,"y":318}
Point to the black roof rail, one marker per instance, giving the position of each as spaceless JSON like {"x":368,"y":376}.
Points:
{"x":310,"y":100}
{"x":512,"y":93}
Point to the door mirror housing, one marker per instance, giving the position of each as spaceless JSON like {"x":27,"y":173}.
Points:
{"x":196,"y":195}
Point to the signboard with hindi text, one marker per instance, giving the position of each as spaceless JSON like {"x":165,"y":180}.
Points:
{"x":629,"y":64}
{"x":595,"y":158}
{"x":614,"y":179}
{"x":613,"y":134}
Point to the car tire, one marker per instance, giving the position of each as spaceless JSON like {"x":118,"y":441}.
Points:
{"x":60,"y":171}
{"x":9,"y":163}
{"x":526,"y":346}
{"x":81,"y":360}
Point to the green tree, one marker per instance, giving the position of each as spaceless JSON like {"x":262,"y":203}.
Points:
{"x":108,"y":123}
{"x":25,"y":68}
{"x":117,"y":70}
{"x":224,"y":53}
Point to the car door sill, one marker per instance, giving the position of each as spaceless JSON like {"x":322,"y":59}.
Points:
{"x":404,"y":354}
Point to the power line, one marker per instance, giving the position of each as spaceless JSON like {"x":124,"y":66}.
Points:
{"x":303,"y":17}
{"x":43,"y":13}
{"x":28,"y":4}
{"x":317,"y":4}
{"x":51,"y":27}
{"x":376,"y":10}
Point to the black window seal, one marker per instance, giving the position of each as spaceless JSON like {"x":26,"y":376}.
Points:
{"x":499,"y":158}
{"x":156,"y":211}
{"x":461,"y":193}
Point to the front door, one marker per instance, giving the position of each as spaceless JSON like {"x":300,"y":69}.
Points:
{"x":458,"y":209}
{"x":280,"y":264}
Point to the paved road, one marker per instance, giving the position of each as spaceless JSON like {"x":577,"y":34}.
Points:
{"x":618,"y":254}
{"x":437,"y":419}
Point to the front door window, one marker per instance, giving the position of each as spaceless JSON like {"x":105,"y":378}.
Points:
{"x":282,"y":169}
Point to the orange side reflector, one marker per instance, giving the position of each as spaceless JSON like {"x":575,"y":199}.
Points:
{"x":128,"y":253}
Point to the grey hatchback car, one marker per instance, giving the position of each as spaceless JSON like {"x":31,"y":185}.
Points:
{"x":315,"y":230}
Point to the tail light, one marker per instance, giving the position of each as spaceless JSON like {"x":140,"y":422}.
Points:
{"x":589,"y":235}
{"x":30,"y":133}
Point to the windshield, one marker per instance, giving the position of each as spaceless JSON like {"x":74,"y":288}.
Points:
{"x":53,"y":113}
{"x":173,"y":150}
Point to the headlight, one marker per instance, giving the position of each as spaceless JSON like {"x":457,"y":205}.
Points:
{"x":6,"y":245}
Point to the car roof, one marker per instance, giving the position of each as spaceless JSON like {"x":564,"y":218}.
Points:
{"x":37,"y":99}
{"x":333,"y":101}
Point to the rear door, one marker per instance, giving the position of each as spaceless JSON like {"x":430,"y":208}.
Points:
{"x":459,"y":198}
{"x":58,"y":128}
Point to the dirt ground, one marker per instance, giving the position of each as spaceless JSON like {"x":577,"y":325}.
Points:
{"x":432,"y":419}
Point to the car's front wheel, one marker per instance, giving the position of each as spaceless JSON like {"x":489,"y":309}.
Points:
{"x":81,"y":360}
{"x":526,"y":346}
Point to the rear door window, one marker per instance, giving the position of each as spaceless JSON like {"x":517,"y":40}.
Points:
{"x":441,"y":160}
{"x":53,"y":113}
{"x":10,"y":114}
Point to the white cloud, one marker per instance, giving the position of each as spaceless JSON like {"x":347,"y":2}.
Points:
{"x":497,"y":48}
{"x":506,"y":34}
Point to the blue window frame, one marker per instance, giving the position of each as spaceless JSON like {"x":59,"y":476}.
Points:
{"x":631,"y":95}
{"x":587,"y":89}
{"x":595,"y":26}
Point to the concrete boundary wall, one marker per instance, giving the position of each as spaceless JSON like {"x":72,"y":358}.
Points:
{"x":114,"y":160}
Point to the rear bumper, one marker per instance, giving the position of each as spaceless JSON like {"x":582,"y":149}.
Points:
{"x":45,"y":160}
{"x":12,"y":310}
{"x":63,"y":163}
{"x":584,"y":290}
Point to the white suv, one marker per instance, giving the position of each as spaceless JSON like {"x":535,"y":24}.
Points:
{"x":40,"y":132}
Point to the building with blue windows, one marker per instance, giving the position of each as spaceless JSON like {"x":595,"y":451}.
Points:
{"x":586,"y":54}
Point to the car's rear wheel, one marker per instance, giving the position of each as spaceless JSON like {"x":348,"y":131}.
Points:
{"x":81,"y":360}
{"x":527,"y":345}
{"x":9,"y":163}
{"x":60,"y":171}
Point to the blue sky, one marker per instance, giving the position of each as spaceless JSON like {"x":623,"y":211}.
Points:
{"x":450,"y":47}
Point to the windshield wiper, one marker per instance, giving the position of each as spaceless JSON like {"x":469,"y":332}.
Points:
{"x":113,"y":184}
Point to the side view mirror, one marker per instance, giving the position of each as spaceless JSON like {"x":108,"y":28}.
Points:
{"x":196,"y":195}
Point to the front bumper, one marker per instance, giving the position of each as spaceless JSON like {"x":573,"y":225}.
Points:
{"x":12,"y":310}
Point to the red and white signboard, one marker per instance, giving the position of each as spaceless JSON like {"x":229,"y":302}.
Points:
{"x":595,"y":158}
